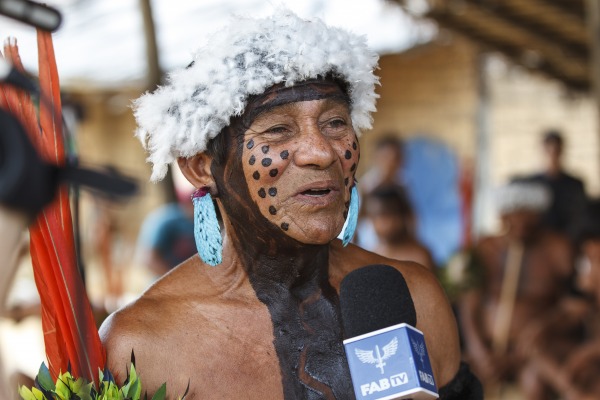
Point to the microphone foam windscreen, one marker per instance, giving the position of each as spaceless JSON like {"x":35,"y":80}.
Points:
{"x":375,"y":297}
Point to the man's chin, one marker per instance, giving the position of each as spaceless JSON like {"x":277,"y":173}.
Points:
{"x":314,"y":236}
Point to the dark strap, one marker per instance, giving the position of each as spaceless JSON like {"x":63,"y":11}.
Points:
{"x":464,"y":386}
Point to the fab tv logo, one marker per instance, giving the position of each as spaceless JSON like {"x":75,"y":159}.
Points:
{"x":391,"y":363}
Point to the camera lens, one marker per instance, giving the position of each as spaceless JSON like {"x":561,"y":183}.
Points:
{"x":26,"y":182}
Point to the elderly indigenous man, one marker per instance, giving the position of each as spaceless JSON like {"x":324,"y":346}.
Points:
{"x":265,"y":120}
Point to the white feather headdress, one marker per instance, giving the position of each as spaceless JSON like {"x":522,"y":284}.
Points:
{"x":522,"y":195}
{"x":246,"y":58}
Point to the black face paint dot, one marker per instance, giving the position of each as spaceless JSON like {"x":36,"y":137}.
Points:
{"x":252,"y":160}
{"x":353,"y":167}
{"x":348,"y":155}
{"x":265,"y":149}
{"x":266,"y":162}
{"x":272,"y":192}
{"x":285,"y":226}
{"x":250,"y":144}
{"x":256,"y":175}
{"x":272,"y":210}
{"x":354,"y":145}
{"x":273,"y":172}
{"x":285,"y":154}
{"x":346,"y":181}
{"x":262,"y":193}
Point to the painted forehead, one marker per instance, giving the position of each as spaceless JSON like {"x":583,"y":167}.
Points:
{"x":278,"y":95}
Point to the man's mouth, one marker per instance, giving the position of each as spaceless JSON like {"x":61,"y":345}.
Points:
{"x":320,"y":193}
{"x":316,"y":192}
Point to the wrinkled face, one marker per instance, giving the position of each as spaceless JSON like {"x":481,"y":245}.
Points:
{"x":298,"y":160}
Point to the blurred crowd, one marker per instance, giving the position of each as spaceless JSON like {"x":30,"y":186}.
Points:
{"x":527,"y":298}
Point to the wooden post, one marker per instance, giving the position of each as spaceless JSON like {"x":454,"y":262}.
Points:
{"x":483,"y":187}
{"x":154,"y":74}
{"x":153,"y":79}
{"x":593,"y":22}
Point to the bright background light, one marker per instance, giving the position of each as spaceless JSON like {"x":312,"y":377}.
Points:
{"x":101,"y":41}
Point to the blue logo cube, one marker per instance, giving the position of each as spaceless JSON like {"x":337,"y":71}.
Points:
{"x":391,"y":363}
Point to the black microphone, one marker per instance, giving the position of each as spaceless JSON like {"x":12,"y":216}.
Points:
{"x":386,"y":354}
{"x":32,"y":13}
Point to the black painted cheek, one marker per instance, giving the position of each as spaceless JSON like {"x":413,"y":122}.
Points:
{"x":284,"y":154}
{"x":272,"y":210}
{"x":265,"y":149}
{"x":272,"y":192}
{"x":252,"y":160}
{"x":285,"y":226}
{"x":256,"y":175}
{"x":353,"y":167}
{"x":273,"y":173}
{"x":354,"y":145}
{"x":348,"y":155}
{"x":262,"y":193}
{"x":266,"y":162}
{"x":250,"y":144}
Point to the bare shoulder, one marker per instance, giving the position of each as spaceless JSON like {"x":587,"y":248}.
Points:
{"x":345,"y":260}
{"x":434,"y":314}
{"x":155,"y":320}
{"x":133,"y":327}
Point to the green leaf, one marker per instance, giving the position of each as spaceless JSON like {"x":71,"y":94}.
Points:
{"x":62,"y":386}
{"x":45,"y":379}
{"x":38,"y":395}
{"x":125,"y":390}
{"x":135,"y":390}
{"x":85,"y":393}
{"x":25,"y":393}
{"x":76,"y":385}
{"x":132,"y":374}
{"x":161,"y":393}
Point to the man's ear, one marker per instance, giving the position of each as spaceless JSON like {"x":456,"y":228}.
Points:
{"x":196,"y":169}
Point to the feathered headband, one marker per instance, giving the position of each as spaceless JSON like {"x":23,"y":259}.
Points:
{"x":245,"y":59}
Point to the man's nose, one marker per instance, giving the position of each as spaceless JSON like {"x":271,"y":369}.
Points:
{"x":315,"y":149}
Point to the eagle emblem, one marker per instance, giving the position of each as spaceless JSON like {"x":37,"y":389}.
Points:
{"x":375,"y":357}
{"x":419,"y":349}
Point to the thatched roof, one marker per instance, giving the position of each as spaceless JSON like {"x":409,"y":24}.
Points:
{"x":549,"y":36}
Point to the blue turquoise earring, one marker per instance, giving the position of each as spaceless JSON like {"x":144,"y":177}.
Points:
{"x":206,"y":228}
{"x":352,"y":216}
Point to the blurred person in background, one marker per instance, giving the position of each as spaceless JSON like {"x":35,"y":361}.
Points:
{"x":390,"y":213}
{"x":525,"y":272}
{"x":567,"y":191}
{"x":564,"y":347}
{"x":386,"y":166}
{"x":385,"y":170}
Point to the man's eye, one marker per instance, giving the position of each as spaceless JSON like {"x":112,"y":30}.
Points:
{"x":337,"y":123}
{"x":277,"y":129}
